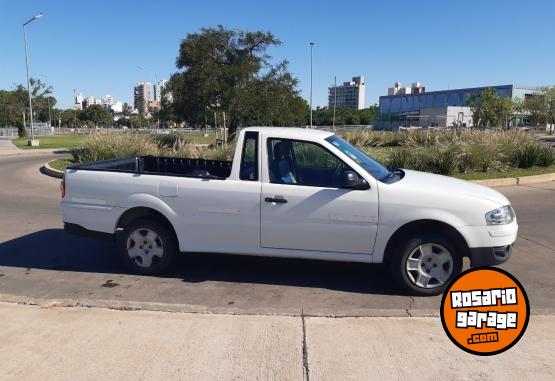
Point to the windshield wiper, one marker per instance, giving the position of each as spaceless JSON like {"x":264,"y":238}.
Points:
{"x":392,"y":173}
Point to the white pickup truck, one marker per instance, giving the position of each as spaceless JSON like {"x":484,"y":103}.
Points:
{"x":291,"y":192}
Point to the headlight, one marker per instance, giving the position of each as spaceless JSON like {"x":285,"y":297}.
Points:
{"x":500,"y":216}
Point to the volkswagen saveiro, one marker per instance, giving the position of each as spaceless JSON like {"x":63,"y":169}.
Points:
{"x":291,"y":192}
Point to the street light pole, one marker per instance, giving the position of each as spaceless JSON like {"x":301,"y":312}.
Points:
{"x":49,"y":113}
{"x":311,"y":46}
{"x":334,"y":99}
{"x":74,"y":109}
{"x":27,"y":67}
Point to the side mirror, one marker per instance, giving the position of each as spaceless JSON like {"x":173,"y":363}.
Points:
{"x":352,"y":181}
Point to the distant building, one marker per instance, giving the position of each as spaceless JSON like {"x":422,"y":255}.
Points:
{"x":141,"y":97}
{"x":89,"y":101}
{"x":159,"y":90}
{"x":107,"y":101}
{"x":349,"y":95}
{"x":413,"y":106}
{"x":397,"y":89}
{"x":116,"y":107}
{"x":78,"y":102}
{"x":153,"y":105}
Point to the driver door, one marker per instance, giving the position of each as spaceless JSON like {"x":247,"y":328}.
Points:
{"x":314,"y":212}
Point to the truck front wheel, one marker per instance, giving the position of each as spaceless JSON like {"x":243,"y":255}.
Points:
{"x":425,"y":264}
{"x":146,"y":246}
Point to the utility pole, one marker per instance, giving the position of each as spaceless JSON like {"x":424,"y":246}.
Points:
{"x":334,"y":99}
{"x":225,"y":129}
{"x":311,"y":47}
{"x":49,"y":113}
{"x":32,"y":142}
{"x":74,"y":109}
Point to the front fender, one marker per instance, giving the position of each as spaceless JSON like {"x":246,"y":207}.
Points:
{"x":388,"y":226}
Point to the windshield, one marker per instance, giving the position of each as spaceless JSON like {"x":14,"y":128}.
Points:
{"x":370,"y":165}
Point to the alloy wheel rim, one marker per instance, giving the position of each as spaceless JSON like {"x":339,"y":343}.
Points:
{"x":145,"y":247}
{"x":429,"y":265}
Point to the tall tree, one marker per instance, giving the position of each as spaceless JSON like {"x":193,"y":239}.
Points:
{"x":14,"y":103}
{"x":228,"y":71}
{"x":345,"y":116}
{"x":97,"y":114}
{"x":490,"y":110}
{"x":541,"y":106}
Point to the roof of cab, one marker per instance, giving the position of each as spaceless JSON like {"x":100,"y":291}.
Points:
{"x":291,"y":132}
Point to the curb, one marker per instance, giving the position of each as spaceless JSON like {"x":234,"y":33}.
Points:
{"x":122,"y":305}
{"x":523,"y":180}
{"x":130,"y":306}
{"x":52,"y":172}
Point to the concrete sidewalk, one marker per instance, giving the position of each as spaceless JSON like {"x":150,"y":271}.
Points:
{"x":7,"y":148}
{"x":94,"y":343}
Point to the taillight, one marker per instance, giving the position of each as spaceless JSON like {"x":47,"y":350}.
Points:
{"x":63,"y":186}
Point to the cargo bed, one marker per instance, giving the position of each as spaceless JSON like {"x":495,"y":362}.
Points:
{"x":164,"y":166}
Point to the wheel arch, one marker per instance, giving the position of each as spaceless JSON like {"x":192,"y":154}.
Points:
{"x":429,"y":226}
{"x":134,"y":213}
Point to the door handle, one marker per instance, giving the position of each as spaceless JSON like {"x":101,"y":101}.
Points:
{"x":277,"y":200}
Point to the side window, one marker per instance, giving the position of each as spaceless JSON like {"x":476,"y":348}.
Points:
{"x":280,"y":162}
{"x":304,"y":163}
{"x":249,"y":157}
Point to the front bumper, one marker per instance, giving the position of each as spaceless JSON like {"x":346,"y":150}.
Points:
{"x":490,"y":256}
{"x":489,"y":236}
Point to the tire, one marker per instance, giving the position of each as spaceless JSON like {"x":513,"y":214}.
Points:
{"x":425,"y":264}
{"x":146,"y":246}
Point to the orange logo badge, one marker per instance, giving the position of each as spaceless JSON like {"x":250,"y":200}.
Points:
{"x":485,"y":311}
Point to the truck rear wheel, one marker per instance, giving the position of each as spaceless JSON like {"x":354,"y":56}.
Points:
{"x":425,"y":264}
{"x":146,"y":246}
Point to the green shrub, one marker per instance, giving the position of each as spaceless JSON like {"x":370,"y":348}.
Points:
{"x":170,"y":140}
{"x":369,"y":138}
{"x":483,"y":156}
{"x":528,"y":155}
{"x":102,"y":146}
{"x":408,"y":159}
{"x":438,"y":151}
{"x":223,"y":153}
{"x":443,"y":160}
{"x":546,"y":157}
{"x":465,"y":163}
{"x":402,"y":158}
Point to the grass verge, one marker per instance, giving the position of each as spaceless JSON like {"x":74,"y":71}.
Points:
{"x":61,"y":164}
{"x":510,"y":173}
{"x":58,"y":141}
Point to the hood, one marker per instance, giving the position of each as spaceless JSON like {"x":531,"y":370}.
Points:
{"x":444,"y":184}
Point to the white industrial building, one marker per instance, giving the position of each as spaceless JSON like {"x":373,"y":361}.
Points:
{"x":445,"y":116}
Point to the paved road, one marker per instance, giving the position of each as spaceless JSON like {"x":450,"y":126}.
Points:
{"x":38,"y":260}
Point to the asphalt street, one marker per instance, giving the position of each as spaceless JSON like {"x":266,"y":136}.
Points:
{"x":39,"y":261}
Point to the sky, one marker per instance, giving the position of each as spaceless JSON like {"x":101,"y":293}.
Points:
{"x":97,"y":46}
